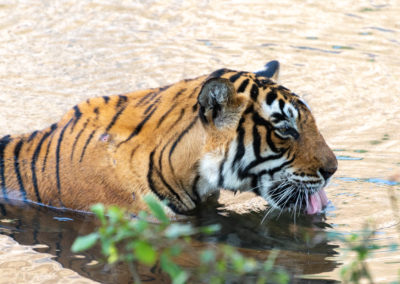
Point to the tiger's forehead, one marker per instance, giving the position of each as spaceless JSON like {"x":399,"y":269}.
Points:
{"x":277,"y":102}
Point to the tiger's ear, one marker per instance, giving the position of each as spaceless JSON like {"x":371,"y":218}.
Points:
{"x":271,"y":70}
{"x":217,"y":103}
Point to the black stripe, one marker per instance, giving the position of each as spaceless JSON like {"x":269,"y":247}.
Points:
{"x":258,"y":120}
{"x":77,"y":115}
{"x":258,"y":82}
{"x":183,"y":133}
{"x":121,"y":99}
{"x":195,"y":91}
{"x":32,"y":136}
{"x":33,"y":165}
{"x":278,"y":117}
{"x":244,"y":173}
{"x":270,"y":143}
{"x":178,"y":94}
{"x":176,"y":122}
{"x":151,"y":96}
{"x":60,"y":138}
{"x":236,"y":76}
{"x":170,"y":189}
{"x":151,"y":106}
{"x":194,"y":107}
{"x":161,"y":120}
{"x":133,"y":152}
{"x":77,"y":138}
{"x":106,"y":99}
{"x":194,"y":188}
{"x":281,"y":104}
{"x":138,"y":127}
{"x":144,"y":98}
{"x":153,"y":187}
{"x":282,"y":88}
{"x":203,"y":118}
{"x":150,"y":179}
{"x":52,"y":128}
{"x":86,"y":144}
{"x":256,"y":142}
{"x":254,"y":92}
{"x":271,"y":96}
{"x":114,"y":119}
{"x":240,"y":151}
{"x":249,"y":109}
{"x":3,"y":145}
{"x":162,"y":154}
{"x":277,"y":169}
{"x":243,"y":86}
{"x":162,"y":177}
{"x":17,"y":150}
{"x":221,"y":179}
{"x":218,"y":73}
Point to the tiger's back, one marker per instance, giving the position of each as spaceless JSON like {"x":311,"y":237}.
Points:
{"x":181,"y":143}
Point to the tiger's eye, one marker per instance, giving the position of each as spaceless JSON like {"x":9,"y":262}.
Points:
{"x":288,"y":131}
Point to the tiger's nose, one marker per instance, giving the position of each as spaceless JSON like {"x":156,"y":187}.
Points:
{"x":327,"y":172}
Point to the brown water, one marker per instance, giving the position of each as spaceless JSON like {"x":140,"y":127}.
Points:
{"x":343,"y":57}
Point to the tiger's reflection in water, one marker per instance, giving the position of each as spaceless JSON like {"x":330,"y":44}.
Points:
{"x":303,"y":247}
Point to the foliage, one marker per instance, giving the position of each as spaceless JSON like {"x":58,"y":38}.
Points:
{"x":362,"y":245}
{"x":137,"y":241}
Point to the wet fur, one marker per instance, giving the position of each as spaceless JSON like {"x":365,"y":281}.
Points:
{"x":173,"y":142}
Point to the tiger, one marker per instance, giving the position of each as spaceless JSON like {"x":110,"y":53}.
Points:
{"x":232,"y":130}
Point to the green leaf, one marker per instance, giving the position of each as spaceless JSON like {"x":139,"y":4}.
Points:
{"x":249,"y":265}
{"x":145,"y":253}
{"x":238,"y":262}
{"x":175,"y":250}
{"x":138,"y":226}
{"x":269,"y":263}
{"x":156,"y":208}
{"x":282,"y":277}
{"x":177,"y":230}
{"x":84,"y":242}
{"x":169,"y":266}
{"x":210,"y":229}
{"x":115,"y":214}
{"x":180,"y":278}
{"x":113,"y":254}
{"x":207,"y":256}
{"x":98,"y":209}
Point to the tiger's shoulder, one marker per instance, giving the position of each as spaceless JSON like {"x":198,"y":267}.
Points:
{"x":229,"y":129}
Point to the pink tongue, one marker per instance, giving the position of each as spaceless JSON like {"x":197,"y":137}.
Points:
{"x":316,"y":202}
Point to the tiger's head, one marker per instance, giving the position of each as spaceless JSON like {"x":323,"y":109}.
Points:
{"x":263,"y":138}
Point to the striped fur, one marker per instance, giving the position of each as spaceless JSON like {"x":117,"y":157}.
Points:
{"x":233,"y":130}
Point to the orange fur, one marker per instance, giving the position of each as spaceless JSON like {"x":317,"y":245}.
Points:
{"x":116,"y":149}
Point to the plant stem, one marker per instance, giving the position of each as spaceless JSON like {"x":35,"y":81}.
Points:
{"x":136,"y":277}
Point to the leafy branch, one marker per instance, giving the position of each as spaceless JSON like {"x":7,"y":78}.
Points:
{"x":137,"y":241}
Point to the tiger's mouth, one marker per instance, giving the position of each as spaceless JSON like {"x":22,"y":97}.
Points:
{"x":297,"y":197}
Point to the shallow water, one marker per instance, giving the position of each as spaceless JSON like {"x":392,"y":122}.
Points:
{"x":343,"y":57}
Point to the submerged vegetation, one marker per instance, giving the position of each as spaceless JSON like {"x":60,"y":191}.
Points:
{"x":136,"y":241}
{"x":141,"y":243}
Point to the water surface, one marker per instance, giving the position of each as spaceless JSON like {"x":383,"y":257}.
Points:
{"x":343,"y":57}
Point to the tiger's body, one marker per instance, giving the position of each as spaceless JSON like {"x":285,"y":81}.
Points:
{"x":232,"y":130}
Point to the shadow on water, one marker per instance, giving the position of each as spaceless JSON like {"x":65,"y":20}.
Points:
{"x":303,"y":246}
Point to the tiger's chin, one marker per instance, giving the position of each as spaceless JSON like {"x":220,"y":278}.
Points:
{"x":296,"y":198}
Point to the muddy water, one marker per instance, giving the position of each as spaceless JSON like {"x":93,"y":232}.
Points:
{"x":343,"y":57}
